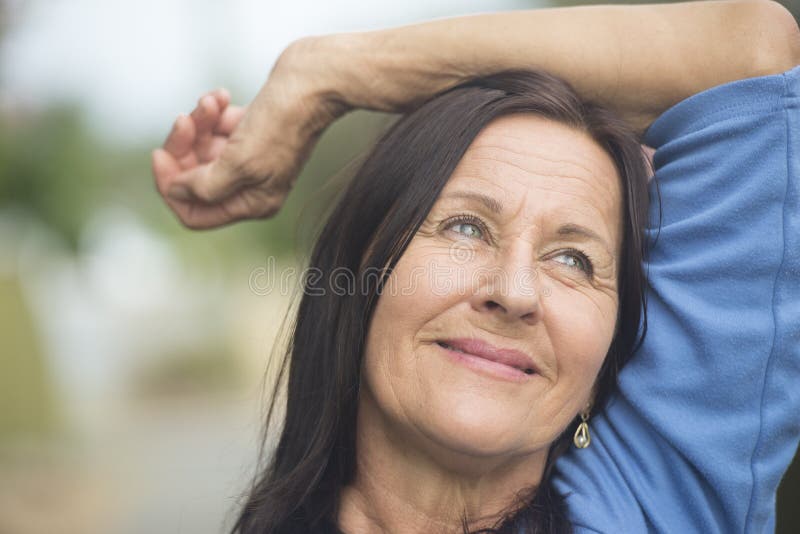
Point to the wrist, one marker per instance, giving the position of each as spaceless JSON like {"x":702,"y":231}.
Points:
{"x":344,"y":69}
{"x":392,"y":70}
{"x":305,"y":75}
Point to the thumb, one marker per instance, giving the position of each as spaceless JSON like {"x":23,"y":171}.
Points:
{"x":211,"y":184}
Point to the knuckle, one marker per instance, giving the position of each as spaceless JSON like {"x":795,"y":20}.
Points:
{"x":247,"y":170}
{"x":239,"y":210}
{"x":271,"y":205}
{"x":268,"y":210}
{"x":191,"y":224}
{"x":206,"y":192}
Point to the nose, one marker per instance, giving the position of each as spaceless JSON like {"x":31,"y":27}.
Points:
{"x":509,"y":288}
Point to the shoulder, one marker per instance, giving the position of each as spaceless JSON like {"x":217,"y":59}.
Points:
{"x":778,"y":43}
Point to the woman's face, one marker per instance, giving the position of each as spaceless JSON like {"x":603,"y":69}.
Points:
{"x":498,"y":316}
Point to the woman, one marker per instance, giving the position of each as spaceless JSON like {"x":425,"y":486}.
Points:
{"x":704,"y":422}
{"x":457,"y":204}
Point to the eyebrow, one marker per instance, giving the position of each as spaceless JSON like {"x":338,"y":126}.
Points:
{"x":565,"y":230}
{"x":491,"y":204}
{"x":571,"y":230}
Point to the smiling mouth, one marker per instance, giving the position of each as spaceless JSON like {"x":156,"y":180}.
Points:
{"x":527,"y":371}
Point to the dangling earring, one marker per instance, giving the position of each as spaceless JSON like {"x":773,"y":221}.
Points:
{"x":582,"y":439}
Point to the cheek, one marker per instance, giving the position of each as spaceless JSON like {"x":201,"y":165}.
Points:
{"x":424,"y":284}
{"x":411,"y":299}
{"x":581,"y":328}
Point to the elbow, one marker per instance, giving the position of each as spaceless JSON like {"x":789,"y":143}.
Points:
{"x":777,"y":37}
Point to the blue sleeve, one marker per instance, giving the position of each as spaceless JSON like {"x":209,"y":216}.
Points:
{"x":707,"y":415}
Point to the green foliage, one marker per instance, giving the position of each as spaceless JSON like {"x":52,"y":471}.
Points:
{"x":27,"y":405}
{"x":191,"y":372}
{"x":53,"y":167}
{"x":50,"y":166}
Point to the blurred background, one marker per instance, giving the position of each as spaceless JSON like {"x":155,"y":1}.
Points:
{"x":131,"y":349}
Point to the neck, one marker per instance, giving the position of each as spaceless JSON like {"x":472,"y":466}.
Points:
{"x":406,"y":483}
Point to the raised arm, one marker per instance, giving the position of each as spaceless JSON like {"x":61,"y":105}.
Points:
{"x":222,"y":164}
{"x":706,"y":417}
{"x":637,"y":60}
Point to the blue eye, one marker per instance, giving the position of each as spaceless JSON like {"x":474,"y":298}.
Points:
{"x":579,"y":260}
{"x":467,"y":226}
{"x":468,"y":230}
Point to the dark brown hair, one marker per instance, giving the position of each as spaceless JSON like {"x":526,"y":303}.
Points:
{"x":377,"y":215}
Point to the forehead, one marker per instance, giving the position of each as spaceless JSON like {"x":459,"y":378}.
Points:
{"x":538,"y":168}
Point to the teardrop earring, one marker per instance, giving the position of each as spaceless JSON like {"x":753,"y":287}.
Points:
{"x":582,"y":439}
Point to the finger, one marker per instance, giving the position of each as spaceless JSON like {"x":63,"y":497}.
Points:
{"x":245,"y":204}
{"x":221,"y":180}
{"x":223,"y":97}
{"x":209,"y":183}
{"x":165,"y":168}
{"x":182,"y":188}
{"x":180,"y":139}
{"x":216,"y":184}
{"x":199,"y":216}
{"x":253,"y":203}
{"x":205,"y":116}
{"x":190,"y":160}
{"x":229,"y":120}
{"x":241,"y":206}
{"x":212,"y":149}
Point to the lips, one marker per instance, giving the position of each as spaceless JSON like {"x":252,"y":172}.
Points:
{"x":481,"y":349}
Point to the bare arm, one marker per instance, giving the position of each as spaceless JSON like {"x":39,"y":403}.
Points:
{"x":638,"y":60}
{"x":223,"y":164}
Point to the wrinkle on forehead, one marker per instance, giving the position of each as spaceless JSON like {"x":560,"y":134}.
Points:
{"x":518,"y":155}
{"x":539,"y":154}
{"x":496,"y":165}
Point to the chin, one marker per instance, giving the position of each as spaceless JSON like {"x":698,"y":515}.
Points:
{"x":477,"y":430}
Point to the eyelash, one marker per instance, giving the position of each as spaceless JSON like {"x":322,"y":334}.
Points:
{"x":472,"y":219}
{"x":587,"y":261}
{"x":465,"y":218}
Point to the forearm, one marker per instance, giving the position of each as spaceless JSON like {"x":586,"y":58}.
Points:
{"x":638,"y":60}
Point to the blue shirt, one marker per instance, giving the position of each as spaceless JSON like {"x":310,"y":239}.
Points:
{"x":707,"y":416}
